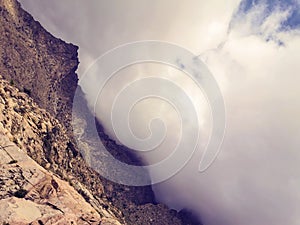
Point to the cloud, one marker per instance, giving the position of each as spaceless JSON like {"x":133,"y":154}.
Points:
{"x":255,"y":179}
{"x":252,"y":49}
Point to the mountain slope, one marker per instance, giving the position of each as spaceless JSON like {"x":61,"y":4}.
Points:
{"x":36,"y":94}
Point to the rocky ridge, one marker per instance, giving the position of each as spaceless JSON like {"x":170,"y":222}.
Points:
{"x":36,"y":104}
{"x":33,"y":60}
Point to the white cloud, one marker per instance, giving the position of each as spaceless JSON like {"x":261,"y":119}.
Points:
{"x":255,"y":179}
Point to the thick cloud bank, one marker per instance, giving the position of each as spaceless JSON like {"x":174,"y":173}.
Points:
{"x":253,"y":49}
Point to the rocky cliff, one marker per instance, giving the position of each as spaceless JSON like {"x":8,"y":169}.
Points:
{"x":36,"y":93}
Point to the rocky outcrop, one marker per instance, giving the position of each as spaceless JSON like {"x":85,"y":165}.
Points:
{"x":35,"y":114}
{"x":29,"y":194}
{"x":43,"y":138}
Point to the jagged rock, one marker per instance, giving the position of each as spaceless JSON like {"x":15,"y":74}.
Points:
{"x":31,"y":195}
{"x":44,"y":139}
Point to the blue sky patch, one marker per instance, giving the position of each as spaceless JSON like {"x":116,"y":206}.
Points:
{"x":292,"y":22}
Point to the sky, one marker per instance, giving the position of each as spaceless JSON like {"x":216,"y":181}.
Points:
{"x":252,"y":49}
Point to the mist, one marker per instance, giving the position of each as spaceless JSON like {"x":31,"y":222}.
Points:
{"x":252,"y":49}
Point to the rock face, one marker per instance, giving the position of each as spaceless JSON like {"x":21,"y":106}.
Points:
{"x":36,"y":62}
{"x":36,"y":93}
{"x":31,"y":195}
{"x":43,"y":138}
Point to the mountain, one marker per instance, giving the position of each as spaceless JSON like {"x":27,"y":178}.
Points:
{"x":45,"y":178}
